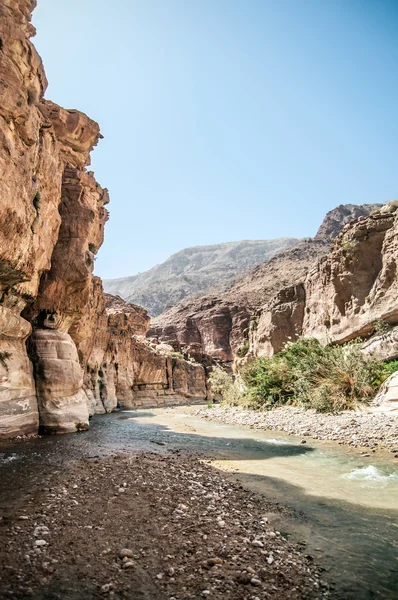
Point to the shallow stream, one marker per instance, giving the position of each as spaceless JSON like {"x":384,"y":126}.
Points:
{"x":343,"y":507}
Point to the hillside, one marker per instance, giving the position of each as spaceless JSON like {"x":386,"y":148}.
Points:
{"x":221,"y":323}
{"x":194,"y":272}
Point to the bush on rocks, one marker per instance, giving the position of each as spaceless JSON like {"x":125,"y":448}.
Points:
{"x":224,"y":385}
{"x":326,"y":378}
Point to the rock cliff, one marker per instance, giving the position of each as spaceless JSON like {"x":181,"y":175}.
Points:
{"x":194,"y":272}
{"x":259,"y":313}
{"x":57,"y":334}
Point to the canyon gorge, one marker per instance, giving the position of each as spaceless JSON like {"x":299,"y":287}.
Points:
{"x":174,"y":491}
{"x":68,"y":350}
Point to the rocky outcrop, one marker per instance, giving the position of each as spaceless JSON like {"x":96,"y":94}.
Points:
{"x":385,"y":345}
{"x":339,"y":217}
{"x":52,"y":216}
{"x":345,"y":294}
{"x":356,"y":284}
{"x":61,"y":400}
{"x":125,"y":368}
{"x":195,"y":271}
{"x":387,"y":398}
{"x":262,"y":310}
{"x":30,"y":181}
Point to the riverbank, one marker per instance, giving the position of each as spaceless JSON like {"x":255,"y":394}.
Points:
{"x":371,"y":431}
{"x":150,"y":526}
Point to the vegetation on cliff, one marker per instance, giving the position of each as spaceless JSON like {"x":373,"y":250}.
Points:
{"x":326,"y":378}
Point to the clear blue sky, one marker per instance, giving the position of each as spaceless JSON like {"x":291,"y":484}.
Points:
{"x":226,"y":119}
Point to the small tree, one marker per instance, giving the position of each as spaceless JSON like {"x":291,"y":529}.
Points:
{"x":224,"y":385}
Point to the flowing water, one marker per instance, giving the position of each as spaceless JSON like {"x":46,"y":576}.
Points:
{"x":343,"y":507}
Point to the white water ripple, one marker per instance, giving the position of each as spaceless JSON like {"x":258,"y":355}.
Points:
{"x":371,"y":474}
{"x":276,"y":442}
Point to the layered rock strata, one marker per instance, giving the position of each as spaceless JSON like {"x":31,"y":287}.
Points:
{"x":345,"y":294}
{"x":264,"y":309}
{"x":125,"y":368}
{"x":55,"y":332}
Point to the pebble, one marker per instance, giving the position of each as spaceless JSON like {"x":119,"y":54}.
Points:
{"x":128,"y":564}
{"x":126,"y":552}
{"x":39,"y":543}
{"x":367,"y":429}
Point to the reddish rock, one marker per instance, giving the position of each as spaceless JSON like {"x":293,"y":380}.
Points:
{"x":265,"y":307}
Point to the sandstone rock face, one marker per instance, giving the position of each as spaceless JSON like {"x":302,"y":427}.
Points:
{"x":384,"y":345}
{"x":126,"y":368}
{"x":83,"y":347}
{"x":59,"y":382}
{"x":195,"y":271}
{"x":264,"y":308}
{"x":387,"y":399}
{"x":18,"y":405}
{"x":356,"y":284}
{"x":30,"y":181}
{"x":341,"y":216}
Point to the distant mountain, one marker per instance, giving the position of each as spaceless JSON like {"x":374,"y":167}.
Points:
{"x":221,"y":323}
{"x":194,"y":272}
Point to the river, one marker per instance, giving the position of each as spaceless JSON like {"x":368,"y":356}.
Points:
{"x":342,"y":507}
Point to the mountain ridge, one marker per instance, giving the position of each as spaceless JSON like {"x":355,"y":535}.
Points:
{"x":194,"y":271}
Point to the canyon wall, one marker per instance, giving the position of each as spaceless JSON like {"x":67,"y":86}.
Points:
{"x":346,"y":294}
{"x":63,"y":353}
{"x":265,"y":308}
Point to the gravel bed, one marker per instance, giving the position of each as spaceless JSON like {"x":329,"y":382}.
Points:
{"x":148,"y":526}
{"x":368,"y":430}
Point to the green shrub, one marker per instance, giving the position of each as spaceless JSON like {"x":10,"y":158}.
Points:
{"x":380,"y":327}
{"x":224,"y":385}
{"x":327,"y":378}
{"x":177,"y":355}
{"x":349,"y":246}
{"x":388,"y":368}
{"x":243,"y":349}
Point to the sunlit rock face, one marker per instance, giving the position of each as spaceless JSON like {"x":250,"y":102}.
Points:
{"x":123,"y":367}
{"x":85,"y":350}
{"x":18,"y":406}
{"x":387,"y":399}
{"x":356,"y":285}
{"x":61,"y":399}
{"x":344,"y":294}
{"x":264,"y":308}
{"x":30,"y":183}
{"x":385,"y":345}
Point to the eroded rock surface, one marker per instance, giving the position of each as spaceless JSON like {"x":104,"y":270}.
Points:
{"x":262,"y":310}
{"x":124,"y":367}
{"x":84,"y":347}
{"x":59,"y":382}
